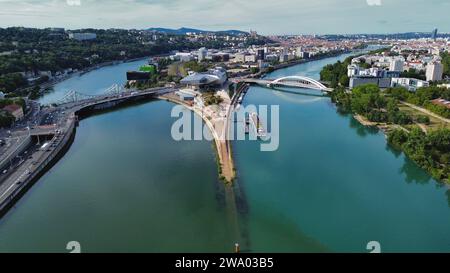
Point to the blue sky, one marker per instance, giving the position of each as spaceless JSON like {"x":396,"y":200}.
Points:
{"x":264,"y":16}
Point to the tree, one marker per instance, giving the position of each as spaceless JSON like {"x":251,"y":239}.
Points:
{"x":254,"y":70}
{"x":397,"y":138}
{"x":423,"y":119}
{"x":446,"y":63}
{"x":35,"y":93}
{"x":367,"y":97}
{"x":6,"y":119}
{"x":344,"y":80}
{"x":413,"y":73}
{"x":195,"y":66}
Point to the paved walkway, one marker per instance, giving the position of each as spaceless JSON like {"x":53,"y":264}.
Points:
{"x":425,"y":111}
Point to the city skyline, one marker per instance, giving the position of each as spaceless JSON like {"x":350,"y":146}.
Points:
{"x":286,"y":17}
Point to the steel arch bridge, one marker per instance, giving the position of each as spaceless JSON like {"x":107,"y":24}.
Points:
{"x":298,"y":81}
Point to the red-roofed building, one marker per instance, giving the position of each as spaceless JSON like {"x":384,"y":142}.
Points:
{"x":442,"y":102}
{"x":15,"y":110}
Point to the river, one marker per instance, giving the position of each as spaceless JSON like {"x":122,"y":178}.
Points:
{"x":126,"y":186}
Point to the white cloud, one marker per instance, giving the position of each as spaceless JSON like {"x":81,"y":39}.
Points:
{"x":73,"y":2}
{"x":374,"y":2}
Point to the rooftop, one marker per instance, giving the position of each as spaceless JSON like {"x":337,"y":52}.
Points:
{"x":12,"y":108}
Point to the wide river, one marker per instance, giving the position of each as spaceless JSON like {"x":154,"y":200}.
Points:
{"x":126,"y":186}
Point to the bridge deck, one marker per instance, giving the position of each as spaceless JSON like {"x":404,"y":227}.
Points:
{"x":291,"y":81}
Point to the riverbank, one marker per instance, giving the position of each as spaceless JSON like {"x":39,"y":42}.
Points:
{"x":384,"y":127}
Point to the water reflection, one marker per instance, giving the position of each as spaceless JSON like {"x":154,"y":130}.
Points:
{"x":297,"y":91}
{"x":413,"y":174}
{"x":394,"y":151}
{"x":447,"y":193}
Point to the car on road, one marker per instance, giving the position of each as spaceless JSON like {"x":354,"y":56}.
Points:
{"x":5,"y":172}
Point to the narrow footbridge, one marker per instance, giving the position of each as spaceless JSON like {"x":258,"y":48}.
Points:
{"x":290,"y":81}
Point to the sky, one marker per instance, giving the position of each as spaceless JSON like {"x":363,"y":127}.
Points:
{"x":265,"y":16}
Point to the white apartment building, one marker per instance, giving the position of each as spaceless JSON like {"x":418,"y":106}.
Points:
{"x":409,"y":83}
{"x":434,"y":71}
{"x":201,"y":55}
{"x":396,"y":65}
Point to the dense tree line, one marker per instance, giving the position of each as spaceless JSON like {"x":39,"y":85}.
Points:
{"x":336,"y":74}
{"x":430,"y":151}
{"x":12,"y":81}
{"x":370,"y":102}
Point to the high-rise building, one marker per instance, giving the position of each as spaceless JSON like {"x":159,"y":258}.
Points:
{"x":305,"y":55}
{"x":352,"y":70}
{"x":299,"y":51}
{"x":396,"y":65}
{"x":434,"y":34}
{"x":434,"y":71}
{"x":260,"y":54}
{"x":202,"y":52}
{"x":284,"y":58}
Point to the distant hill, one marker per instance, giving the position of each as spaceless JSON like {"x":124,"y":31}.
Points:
{"x":183,"y":31}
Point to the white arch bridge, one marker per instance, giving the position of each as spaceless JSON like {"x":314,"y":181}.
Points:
{"x":290,"y":81}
